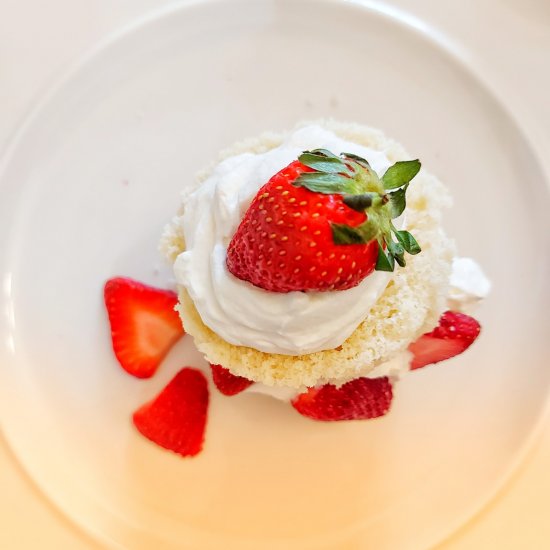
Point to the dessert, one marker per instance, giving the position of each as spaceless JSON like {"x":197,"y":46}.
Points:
{"x":290,"y":340}
{"x":312,"y":267}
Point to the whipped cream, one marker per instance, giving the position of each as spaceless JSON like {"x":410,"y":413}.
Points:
{"x":469,"y":285}
{"x":239,"y":312}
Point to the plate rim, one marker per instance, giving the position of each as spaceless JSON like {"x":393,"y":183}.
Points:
{"x":396,"y":15}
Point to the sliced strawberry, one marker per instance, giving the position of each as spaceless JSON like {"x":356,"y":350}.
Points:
{"x":358,"y":399}
{"x":455,"y":333}
{"x":228,"y":383}
{"x":176,"y":418}
{"x":144,"y":324}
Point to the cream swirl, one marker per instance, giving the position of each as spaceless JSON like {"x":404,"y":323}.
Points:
{"x":293,"y":323}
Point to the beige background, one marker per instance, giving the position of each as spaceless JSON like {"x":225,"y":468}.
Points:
{"x":508,"y":44}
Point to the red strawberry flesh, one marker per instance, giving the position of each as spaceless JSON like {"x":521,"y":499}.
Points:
{"x":228,"y":383}
{"x":285,"y":242}
{"x":359,"y":399}
{"x":176,"y":418}
{"x":144,"y":324}
{"x":455,"y":333}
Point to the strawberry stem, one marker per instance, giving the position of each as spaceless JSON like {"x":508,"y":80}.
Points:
{"x":363,"y":191}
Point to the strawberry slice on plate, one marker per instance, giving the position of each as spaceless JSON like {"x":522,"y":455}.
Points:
{"x":359,"y":399}
{"x":144,"y":324}
{"x":176,"y":418}
{"x":323,"y":223}
{"x":228,"y":383}
{"x":455,"y":333}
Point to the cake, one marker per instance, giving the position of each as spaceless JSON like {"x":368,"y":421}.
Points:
{"x":294,"y":340}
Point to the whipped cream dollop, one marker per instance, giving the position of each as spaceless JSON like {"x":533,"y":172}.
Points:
{"x":293,"y":323}
{"x":468,"y":285}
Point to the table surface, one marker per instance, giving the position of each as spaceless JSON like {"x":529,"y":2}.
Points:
{"x":507,"y":42}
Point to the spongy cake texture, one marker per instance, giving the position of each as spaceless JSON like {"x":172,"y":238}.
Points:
{"x":409,"y":306}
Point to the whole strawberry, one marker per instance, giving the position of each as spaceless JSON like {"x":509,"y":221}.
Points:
{"x":323,"y":223}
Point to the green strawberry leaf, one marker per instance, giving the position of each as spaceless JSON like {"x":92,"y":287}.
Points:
{"x":345,"y":234}
{"x":408,"y":242}
{"x":324,"y":152}
{"x":384,"y":263}
{"x":320,"y":182}
{"x":398,"y":201}
{"x":357,"y":158}
{"x":398,"y":252}
{"x":323,"y":163}
{"x":351,"y":176}
{"x":358,"y":202}
{"x":400,"y":173}
{"x":361,"y":234}
{"x":396,"y":248}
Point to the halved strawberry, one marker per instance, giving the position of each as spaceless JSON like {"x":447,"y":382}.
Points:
{"x":323,"y":223}
{"x":144,"y":324}
{"x":176,"y":418}
{"x":455,"y":333}
{"x":228,"y":383}
{"x":359,"y":399}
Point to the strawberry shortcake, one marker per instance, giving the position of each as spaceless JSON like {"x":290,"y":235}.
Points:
{"x":312,"y":266}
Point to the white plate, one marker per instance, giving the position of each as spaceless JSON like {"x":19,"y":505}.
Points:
{"x":89,"y":182}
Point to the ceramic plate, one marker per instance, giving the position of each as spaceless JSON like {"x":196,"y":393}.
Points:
{"x":96,"y":171}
